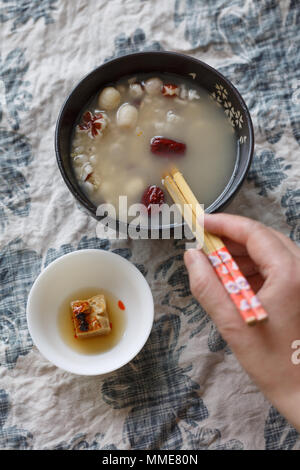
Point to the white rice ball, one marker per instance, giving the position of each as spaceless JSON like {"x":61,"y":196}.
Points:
{"x":109,"y":98}
{"x":127,"y":116}
{"x":136,"y":90}
{"x":153,"y":86}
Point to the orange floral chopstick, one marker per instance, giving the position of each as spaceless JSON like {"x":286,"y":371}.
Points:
{"x":237,"y":286}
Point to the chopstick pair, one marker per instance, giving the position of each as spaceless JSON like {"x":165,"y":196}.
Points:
{"x":224,"y":265}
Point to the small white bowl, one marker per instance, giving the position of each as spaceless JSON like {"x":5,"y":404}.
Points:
{"x":84,"y":269}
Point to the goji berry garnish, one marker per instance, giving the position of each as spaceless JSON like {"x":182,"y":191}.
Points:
{"x":153,"y":195}
{"x":165,"y":147}
{"x":170,"y":90}
{"x":121,"y":305}
{"x":92,"y":124}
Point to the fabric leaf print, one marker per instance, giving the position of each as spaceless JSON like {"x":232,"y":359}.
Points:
{"x":88,"y":243}
{"x":160,"y":394}
{"x":14,"y":191}
{"x":179,"y":298}
{"x":134,"y":43}
{"x":79,"y":442}
{"x":210,"y":439}
{"x":141,"y":268}
{"x":178,"y":295}
{"x":15,"y":149}
{"x":179,"y":281}
{"x":166,"y":265}
{"x":173,"y":269}
{"x":267,"y":172}
{"x":15,"y":152}
{"x":197,"y":17}
{"x":22,"y":11}
{"x":197,"y":316}
{"x":11,"y":437}
{"x":291,"y":201}
{"x":124,"y":252}
{"x":14,"y":97}
{"x":84,"y":244}
{"x":18,"y":269}
{"x":91,"y":243}
{"x":263,"y":65}
{"x":215,"y":341}
{"x":279,"y":434}
{"x":272,"y":120}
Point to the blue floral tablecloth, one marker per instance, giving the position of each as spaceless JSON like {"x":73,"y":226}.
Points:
{"x":185,"y":390}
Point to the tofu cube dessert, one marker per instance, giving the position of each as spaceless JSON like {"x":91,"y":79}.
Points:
{"x":90,"y":317}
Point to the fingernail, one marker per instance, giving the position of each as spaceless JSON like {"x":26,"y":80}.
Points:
{"x":190,"y":256}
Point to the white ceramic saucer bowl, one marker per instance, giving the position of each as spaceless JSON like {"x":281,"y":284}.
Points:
{"x":89,"y":269}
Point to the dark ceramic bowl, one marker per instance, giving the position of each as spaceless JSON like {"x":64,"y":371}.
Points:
{"x":216,"y":84}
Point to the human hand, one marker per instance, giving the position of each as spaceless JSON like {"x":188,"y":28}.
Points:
{"x":271,"y":263}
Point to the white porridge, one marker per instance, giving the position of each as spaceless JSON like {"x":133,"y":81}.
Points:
{"x":135,"y":127}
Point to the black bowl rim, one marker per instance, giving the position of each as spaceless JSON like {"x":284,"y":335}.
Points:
{"x":232,"y":186}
